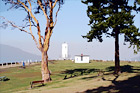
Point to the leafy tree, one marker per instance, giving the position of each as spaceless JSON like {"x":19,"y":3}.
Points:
{"x":112,"y":18}
{"x":138,"y":1}
{"x":45,"y":7}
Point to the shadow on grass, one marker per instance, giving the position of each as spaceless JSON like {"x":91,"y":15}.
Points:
{"x":125,"y":68}
{"x":132,"y":85}
{"x":110,"y":70}
{"x":78,"y":72}
{"x":37,"y":86}
{"x":7,"y":79}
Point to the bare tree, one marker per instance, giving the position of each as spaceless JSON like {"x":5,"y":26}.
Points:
{"x":46,"y":7}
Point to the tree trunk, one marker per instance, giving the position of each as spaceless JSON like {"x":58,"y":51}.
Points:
{"x":44,"y":67}
{"x":117,"y":60}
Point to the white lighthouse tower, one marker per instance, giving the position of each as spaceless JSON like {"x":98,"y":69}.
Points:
{"x":64,"y":51}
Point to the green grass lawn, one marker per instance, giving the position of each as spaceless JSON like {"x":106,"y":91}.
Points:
{"x":20,"y":78}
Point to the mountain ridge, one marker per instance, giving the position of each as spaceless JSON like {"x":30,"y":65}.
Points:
{"x":13,"y":54}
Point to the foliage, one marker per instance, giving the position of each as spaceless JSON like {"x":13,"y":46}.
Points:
{"x":107,"y":16}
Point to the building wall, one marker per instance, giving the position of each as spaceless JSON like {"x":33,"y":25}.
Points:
{"x":78,"y":59}
{"x":64,"y":51}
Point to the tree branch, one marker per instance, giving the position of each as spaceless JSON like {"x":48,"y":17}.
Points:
{"x":15,"y":26}
{"x":38,"y":27}
{"x":56,"y":14}
{"x":55,"y":3}
{"x":30,"y":28}
{"x":41,"y":6}
{"x":28,"y":11}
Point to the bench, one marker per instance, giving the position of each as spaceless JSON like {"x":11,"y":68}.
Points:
{"x":3,"y":78}
{"x":37,"y":82}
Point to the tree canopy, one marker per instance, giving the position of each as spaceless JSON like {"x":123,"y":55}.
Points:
{"x":112,"y":18}
{"x":106,"y":16}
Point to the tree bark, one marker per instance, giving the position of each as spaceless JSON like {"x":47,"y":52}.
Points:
{"x":117,"y":60}
{"x":44,"y":67}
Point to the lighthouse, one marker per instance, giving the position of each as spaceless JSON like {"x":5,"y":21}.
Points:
{"x":64,"y":51}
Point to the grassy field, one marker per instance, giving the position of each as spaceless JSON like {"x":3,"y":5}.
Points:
{"x":70,"y":77}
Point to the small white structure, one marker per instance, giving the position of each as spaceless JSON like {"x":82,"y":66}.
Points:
{"x":81,"y":58}
{"x":64,"y":51}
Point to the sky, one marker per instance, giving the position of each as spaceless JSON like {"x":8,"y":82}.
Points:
{"x":71,"y":25}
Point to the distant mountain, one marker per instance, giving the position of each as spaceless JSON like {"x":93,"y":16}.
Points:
{"x":12,"y":54}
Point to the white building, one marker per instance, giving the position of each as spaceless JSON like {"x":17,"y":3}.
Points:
{"x":64,"y":51}
{"x":81,"y":58}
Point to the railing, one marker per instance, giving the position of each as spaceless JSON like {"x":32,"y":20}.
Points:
{"x":12,"y":64}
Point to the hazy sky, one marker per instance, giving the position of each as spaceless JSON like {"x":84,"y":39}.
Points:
{"x":71,"y":25}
